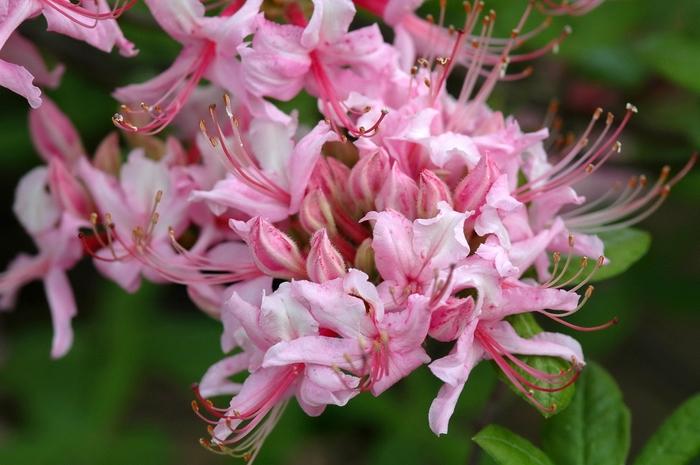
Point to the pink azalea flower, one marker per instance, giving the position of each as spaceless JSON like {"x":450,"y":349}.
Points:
{"x":138,"y":210}
{"x":258,"y":326}
{"x":320,"y":55}
{"x":90,"y":21}
{"x":210,"y":46}
{"x":411,"y":255}
{"x":270,"y":179}
{"x":55,"y":234}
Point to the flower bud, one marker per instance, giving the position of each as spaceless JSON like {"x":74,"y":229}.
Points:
{"x":331,"y":176}
{"x":324,"y":261}
{"x":448,"y":321}
{"x":315,"y":213}
{"x":108,"y":156}
{"x":364,"y":258}
{"x":53,"y":134}
{"x":431,"y":190}
{"x":399,"y":193}
{"x":274,"y":252}
{"x":367,"y":178}
{"x":470,"y":193}
{"x":68,"y":191}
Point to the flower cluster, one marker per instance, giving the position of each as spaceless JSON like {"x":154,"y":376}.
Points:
{"x":331,"y":253}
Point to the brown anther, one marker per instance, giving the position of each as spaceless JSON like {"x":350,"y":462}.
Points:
{"x":601,"y":261}
{"x":643,"y":180}
{"x":632,"y":183}
{"x":596,"y":114}
{"x":159,"y":196}
{"x":427,"y":82}
{"x":414,"y":70}
{"x":584,"y":262}
{"x":665,"y":190}
{"x":609,"y":118}
{"x":93,"y":218}
{"x":631,"y":108}
{"x":589,"y":168}
{"x":589,"y":292}
{"x":571,"y":240}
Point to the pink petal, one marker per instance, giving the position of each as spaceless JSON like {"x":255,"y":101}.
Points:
{"x":23,"y":52}
{"x":440,"y":241}
{"x":216,"y":382}
{"x":392,"y":243}
{"x":304,"y":157}
{"x":333,"y":309}
{"x":329,"y":21}
{"x":63,"y":309}
{"x":549,"y":344}
{"x":34,"y":206}
{"x":318,"y":350}
{"x":19,"y":80}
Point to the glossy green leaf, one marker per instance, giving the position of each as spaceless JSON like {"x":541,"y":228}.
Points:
{"x":526,"y":326}
{"x":595,"y":429}
{"x":678,"y":440}
{"x":507,"y":448}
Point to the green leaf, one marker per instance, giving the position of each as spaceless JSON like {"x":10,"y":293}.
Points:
{"x":676,"y":58}
{"x":595,"y":429}
{"x":622,"y":248}
{"x":526,"y":326}
{"x":678,"y":440}
{"x":507,"y":448}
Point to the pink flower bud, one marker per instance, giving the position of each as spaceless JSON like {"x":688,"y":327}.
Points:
{"x":53,"y":134}
{"x":315,"y":213}
{"x":470,"y":193}
{"x":367,"y":178}
{"x":331,"y":177}
{"x":449,"y":320}
{"x":399,"y":193}
{"x":324,"y":261}
{"x":274,"y":252}
{"x":431,"y":190}
{"x":68,"y":191}
{"x":108,"y":156}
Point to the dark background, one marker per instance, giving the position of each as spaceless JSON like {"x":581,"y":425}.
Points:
{"x":122,"y":394}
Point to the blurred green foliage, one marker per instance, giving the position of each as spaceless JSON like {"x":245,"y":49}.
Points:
{"x":122,"y":394}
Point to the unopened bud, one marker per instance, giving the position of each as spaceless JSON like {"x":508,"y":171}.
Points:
{"x":274,"y":252}
{"x":107,"y":156}
{"x":364,"y":258}
{"x":324,"y":261}
{"x":471,"y":192}
{"x":331,"y":177}
{"x":315,"y":213}
{"x":53,"y":134}
{"x":431,"y":190}
{"x":399,"y":193}
{"x":367,"y":178}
